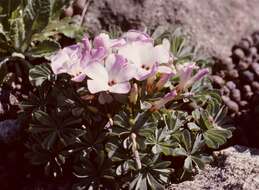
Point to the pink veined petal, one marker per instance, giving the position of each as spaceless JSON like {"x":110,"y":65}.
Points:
{"x":79,"y":78}
{"x":97,"y":71}
{"x":98,"y":54}
{"x":164,"y":69}
{"x":186,"y":74}
{"x":138,"y":52}
{"x":167,"y":98}
{"x":162,"y":54}
{"x":119,"y":69}
{"x":131,"y":52}
{"x":86,"y":43}
{"x":102,"y":40}
{"x":95,"y":86}
{"x":143,"y":74}
{"x":120,"y":88}
{"x":198,"y":76}
{"x":109,"y":62}
{"x":134,"y":35}
{"x":117,"y":42}
{"x":59,"y":62}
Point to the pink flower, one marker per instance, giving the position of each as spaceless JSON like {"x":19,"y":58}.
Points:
{"x":75,"y":59}
{"x":167,"y":98}
{"x":103,"y":40}
{"x":185,"y":72}
{"x":134,"y":35}
{"x":112,"y":77}
{"x":145,"y":57}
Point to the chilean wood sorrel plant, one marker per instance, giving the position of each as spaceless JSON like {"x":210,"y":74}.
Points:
{"x":133,"y":112}
{"x":125,"y":113}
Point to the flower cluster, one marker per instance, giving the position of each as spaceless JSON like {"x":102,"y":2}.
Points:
{"x":123,"y":107}
{"x":110,"y":64}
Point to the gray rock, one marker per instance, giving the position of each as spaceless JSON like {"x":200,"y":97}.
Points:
{"x":235,"y":168}
{"x":213,"y":25}
{"x":9,"y":130}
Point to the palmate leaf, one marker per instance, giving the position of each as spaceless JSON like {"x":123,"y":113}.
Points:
{"x":214,"y":135}
{"x":91,"y":141}
{"x":174,"y":119}
{"x":192,"y":151}
{"x":54,"y":128}
{"x":154,"y":174}
{"x":39,"y":74}
{"x":124,"y":125}
{"x":53,"y":161}
{"x":160,"y":141}
{"x":94,"y":173}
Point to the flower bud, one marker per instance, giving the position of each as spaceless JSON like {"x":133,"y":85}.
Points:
{"x":167,"y":98}
{"x":163,"y":80}
{"x":133,"y":97}
{"x":150,"y":84}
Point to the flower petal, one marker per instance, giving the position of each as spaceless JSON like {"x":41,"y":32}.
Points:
{"x":79,"y":78}
{"x":134,"y":35}
{"x":165,"y":69}
{"x":103,"y":40}
{"x":120,"y":88}
{"x":119,"y":69}
{"x":97,"y":71}
{"x":162,"y":53}
{"x":143,"y":74}
{"x":95,"y":86}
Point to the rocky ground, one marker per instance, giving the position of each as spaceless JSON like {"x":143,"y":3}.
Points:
{"x":213,"y":25}
{"x":235,"y":168}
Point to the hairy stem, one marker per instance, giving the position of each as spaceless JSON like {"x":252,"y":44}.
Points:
{"x":135,"y":150}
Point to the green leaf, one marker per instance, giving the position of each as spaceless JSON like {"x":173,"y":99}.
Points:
{"x":66,"y":26}
{"x":17,"y":32}
{"x":7,"y":7}
{"x":36,"y":16}
{"x":39,"y":74}
{"x":216,"y":137}
{"x":44,"y":48}
{"x":174,"y":120}
{"x":3,"y":70}
{"x":188,"y":163}
{"x":154,"y":175}
{"x":53,"y":128}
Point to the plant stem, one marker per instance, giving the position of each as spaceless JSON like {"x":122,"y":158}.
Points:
{"x":135,"y":150}
{"x":87,"y":3}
